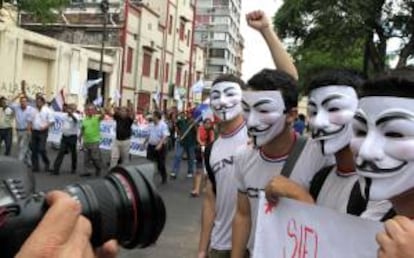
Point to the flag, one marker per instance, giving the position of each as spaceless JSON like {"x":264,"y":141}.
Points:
{"x":58,"y":101}
{"x":156,"y":96}
{"x":198,"y":87}
{"x":98,"y":101}
{"x":116,"y":95}
{"x":88,"y":85}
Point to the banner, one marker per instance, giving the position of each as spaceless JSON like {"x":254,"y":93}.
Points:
{"x":296,"y":230}
{"x":55,"y":131}
{"x":108,"y":128}
{"x":108,"y":132}
{"x":139,"y":134}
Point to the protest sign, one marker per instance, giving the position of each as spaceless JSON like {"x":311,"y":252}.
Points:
{"x":297,"y":230}
{"x":139,"y":134}
{"x":55,"y":131}
{"x":108,"y":128}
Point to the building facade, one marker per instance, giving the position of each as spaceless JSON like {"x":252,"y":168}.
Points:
{"x":217,"y":30}
{"x":156,"y":38}
{"x":48,"y":65}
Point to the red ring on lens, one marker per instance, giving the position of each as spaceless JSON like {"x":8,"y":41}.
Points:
{"x":131,"y":197}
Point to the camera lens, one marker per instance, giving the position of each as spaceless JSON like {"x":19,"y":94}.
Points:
{"x":123,"y":206}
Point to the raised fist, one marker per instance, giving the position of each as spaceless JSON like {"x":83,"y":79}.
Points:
{"x":257,"y":20}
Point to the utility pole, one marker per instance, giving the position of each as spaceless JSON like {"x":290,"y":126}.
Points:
{"x":104,"y":9}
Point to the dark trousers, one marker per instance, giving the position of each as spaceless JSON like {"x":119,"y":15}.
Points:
{"x":159,"y":156}
{"x":6,"y":135}
{"x":67,"y":144}
{"x":39,"y":148}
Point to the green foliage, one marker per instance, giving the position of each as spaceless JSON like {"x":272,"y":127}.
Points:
{"x":345,"y":33}
{"x":43,"y":10}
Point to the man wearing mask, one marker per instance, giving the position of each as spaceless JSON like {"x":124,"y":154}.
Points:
{"x":6,"y":122}
{"x":225,"y":101}
{"x":40,"y":122}
{"x":68,"y":143}
{"x":269,"y":104}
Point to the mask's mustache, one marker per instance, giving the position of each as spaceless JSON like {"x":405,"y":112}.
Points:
{"x":369,"y":166}
{"x":321,"y":132}
{"x":253,"y":130}
{"x":224,"y":107}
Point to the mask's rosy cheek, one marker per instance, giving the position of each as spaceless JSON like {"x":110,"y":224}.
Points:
{"x":400,"y":149}
{"x":342,"y":117}
{"x":270,"y":118}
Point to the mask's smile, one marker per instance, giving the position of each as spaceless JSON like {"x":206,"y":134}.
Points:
{"x":257,"y":130}
{"x":370,"y":167}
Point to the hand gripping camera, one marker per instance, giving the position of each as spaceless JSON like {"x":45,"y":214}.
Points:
{"x":123,"y":206}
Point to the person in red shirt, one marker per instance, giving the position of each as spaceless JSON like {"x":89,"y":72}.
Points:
{"x":205,"y":136}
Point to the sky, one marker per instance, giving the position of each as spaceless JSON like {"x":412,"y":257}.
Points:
{"x":256,"y":54}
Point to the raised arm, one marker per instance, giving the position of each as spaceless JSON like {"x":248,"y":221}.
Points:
{"x":283,"y":61}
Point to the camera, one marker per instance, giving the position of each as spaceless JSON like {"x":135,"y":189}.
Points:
{"x":123,"y":205}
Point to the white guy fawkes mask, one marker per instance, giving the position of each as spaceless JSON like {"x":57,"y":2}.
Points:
{"x":330,"y":112}
{"x":264,"y":112}
{"x":384,"y":144}
{"x":225,"y":100}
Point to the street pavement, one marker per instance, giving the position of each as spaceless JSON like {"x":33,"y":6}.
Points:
{"x":181,"y":233}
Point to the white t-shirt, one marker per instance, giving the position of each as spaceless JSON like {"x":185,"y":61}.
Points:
{"x":254,"y":170}
{"x":41,"y":118}
{"x":222,"y":163}
{"x":336,"y":190}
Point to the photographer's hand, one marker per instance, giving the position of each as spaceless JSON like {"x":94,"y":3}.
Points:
{"x":63,"y":232}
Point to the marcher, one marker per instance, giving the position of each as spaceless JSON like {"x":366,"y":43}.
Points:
{"x":68,"y":143}
{"x":91,"y":135}
{"x":40,"y":122}
{"x":23,"y":113}
{"x":270,"y":101}
{"x":124,"y":118}
{"x":186,"y":141}
{"x":205,"y":136}
{"x":156,"y":143}
{"x":6,"y":125}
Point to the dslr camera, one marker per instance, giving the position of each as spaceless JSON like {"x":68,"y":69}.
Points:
{"x":123,"y":205}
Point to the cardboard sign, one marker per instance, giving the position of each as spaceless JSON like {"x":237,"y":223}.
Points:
{"x":297,"y":230}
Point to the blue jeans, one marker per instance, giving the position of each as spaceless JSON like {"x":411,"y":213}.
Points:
{"x":179,"y":149}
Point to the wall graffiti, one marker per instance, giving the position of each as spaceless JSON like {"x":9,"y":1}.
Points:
{"x":9,"y":89}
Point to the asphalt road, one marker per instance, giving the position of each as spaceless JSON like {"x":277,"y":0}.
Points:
{"x":181,"y":233}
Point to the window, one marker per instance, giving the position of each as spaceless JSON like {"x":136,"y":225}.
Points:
{"x":178,"y":75}
{"x":167,"y":70}
{"x":182,"y":30}
{"x":170,"y":25}
{"x":146,"y":65}
{"x":188,"y":37}
{"x":157,"y":68}
{"x":130,"y":54}
{"x":217,"y":53}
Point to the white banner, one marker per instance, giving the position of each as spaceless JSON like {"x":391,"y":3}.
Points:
{"x":139,"y":134}
{"x":55,"y":131}
{"x":108,"y":128}
{"x":108,"y":133}
{"x":297,"y":230}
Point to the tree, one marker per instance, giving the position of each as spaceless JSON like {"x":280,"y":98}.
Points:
{"x":42,"y":10}
{"x":355,"y":33}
